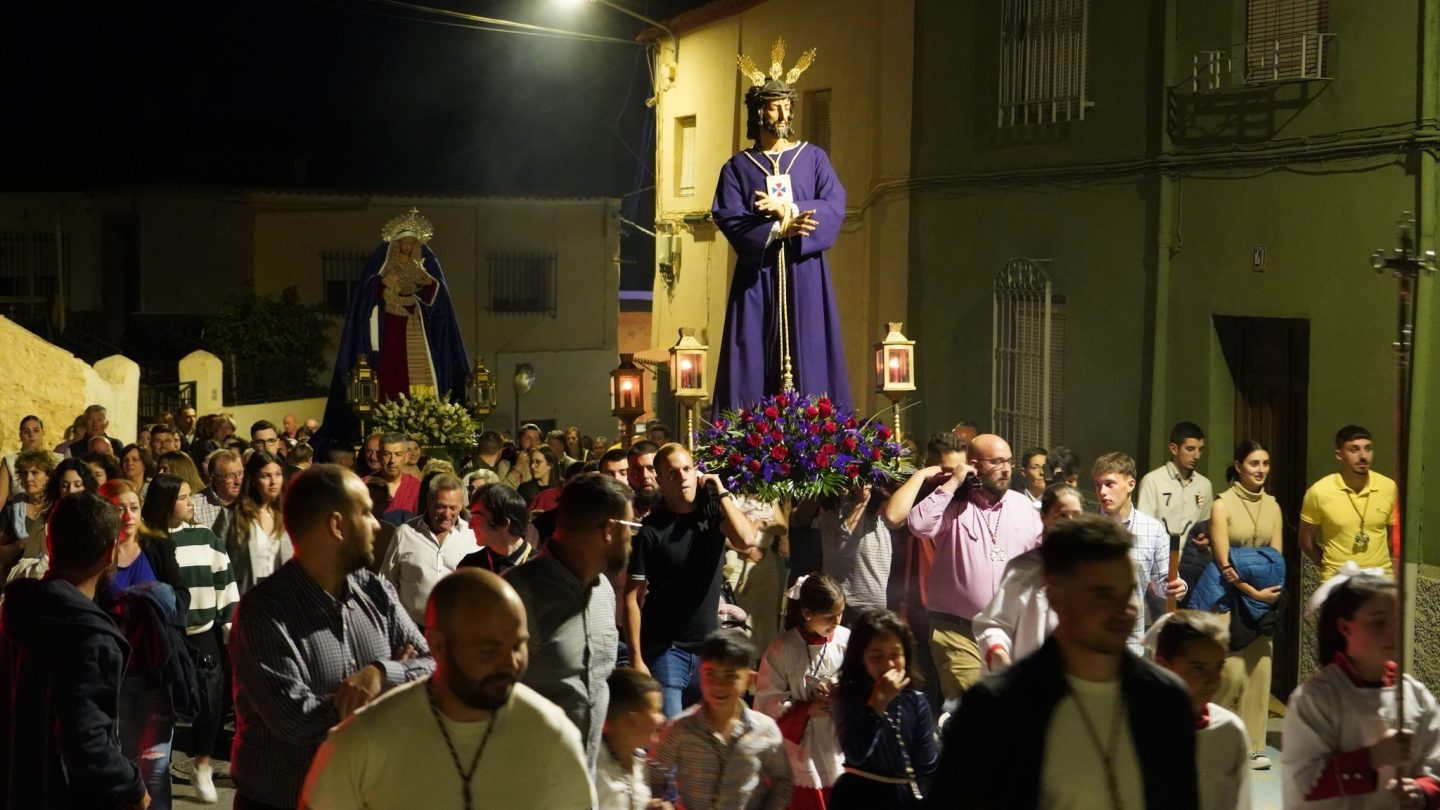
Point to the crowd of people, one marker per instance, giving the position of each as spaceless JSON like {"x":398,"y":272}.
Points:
{"x":556,"y":622}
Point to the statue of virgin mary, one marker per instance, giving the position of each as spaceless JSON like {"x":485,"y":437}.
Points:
{"x":402,"y":319}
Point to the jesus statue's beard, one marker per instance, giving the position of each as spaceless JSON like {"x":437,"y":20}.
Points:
{"x":780,"y":129}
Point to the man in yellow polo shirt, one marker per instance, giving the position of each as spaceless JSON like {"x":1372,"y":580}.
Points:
{"x":1349,"y":511}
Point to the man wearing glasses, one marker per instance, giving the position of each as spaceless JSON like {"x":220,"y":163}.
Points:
{"x":976,"y":531}
{"x":570,"y":605}
{"x":226,"y":472}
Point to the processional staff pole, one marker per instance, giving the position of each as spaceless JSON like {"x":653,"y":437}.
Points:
{"x":782,"y":291}
{"x":1407,"y":262}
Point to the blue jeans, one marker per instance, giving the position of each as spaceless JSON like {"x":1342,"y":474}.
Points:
{"x":147,"y":730}
{"x":678,"y":672}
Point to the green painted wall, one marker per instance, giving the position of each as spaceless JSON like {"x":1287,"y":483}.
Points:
{"x":1149,"y":210}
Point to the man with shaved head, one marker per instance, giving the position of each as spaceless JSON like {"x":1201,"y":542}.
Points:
{"x":472,"y":734}
{"x":316,"y":640}
{"x":976,"y":530}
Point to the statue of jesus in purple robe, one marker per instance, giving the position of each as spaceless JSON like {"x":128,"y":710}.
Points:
{"x":779,"y":196}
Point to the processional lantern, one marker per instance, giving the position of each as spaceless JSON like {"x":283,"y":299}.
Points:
{"x":363,"y":391}
{"x":627,"y":394}
{"x":687,"y":377}
{"x":895,"y":368}
{"x":480,"y":391}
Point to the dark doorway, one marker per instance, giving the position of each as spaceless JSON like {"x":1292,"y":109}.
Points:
{"x":1269,"y":360}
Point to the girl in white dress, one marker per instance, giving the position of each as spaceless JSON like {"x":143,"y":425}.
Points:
{"x":797,"y":677}
{"x":1341,"y":749}
{"x":1193,"y":645}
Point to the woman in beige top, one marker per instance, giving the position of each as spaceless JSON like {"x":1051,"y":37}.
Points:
{"x":1246,"y":516}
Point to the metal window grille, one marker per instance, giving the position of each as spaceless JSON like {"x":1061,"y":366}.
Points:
{"x":341,"y":272}
{"x":1027,"y":372}
{"x":1044,"y":60}
{"x":686,"y":175}
{"x":28,"y":262}
{"x":1285,"y":40}
{"x":522,"y":282}
{"x":817,"y":115}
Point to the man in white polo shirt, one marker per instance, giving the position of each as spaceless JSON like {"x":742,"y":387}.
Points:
{"x":1175,"y":493}
{"x":430,"y":546}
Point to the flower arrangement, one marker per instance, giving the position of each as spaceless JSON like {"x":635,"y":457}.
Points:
{"x":794,"y":446}
{"x":431,"y":421}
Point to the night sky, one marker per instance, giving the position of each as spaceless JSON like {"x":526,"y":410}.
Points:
{"x":324,"y":94}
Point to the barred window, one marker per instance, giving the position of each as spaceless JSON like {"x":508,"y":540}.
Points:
{"x":1285,"y":40}
{"x":1044,"y":60}
{"x":522,"y":282}
{"x":342,"y":271}
{"x":685,"y":139}
{"x":1027,"y":376}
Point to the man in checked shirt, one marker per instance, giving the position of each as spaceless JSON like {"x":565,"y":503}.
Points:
{"x":316,"y":640}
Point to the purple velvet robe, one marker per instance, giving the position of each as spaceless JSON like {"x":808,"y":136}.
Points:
{"x":750,"y":365}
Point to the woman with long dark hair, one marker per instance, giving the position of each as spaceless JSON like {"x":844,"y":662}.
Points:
{"x":258,"y":543}
{"x":71,"y":475}
{"x":1246,"y":516}
{"x":882,"y":721}
{"x":205,"y":568}
{"x":545,"y":475}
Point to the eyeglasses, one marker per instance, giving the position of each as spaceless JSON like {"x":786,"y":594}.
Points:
{"x":631,"y":524}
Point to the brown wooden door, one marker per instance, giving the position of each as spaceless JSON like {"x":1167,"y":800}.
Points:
{"x":1269,"y":360}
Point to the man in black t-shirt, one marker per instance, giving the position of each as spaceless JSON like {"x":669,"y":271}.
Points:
{"x":673,"y":591}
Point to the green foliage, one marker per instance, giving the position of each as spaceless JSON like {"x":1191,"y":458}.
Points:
{"x":272,"y":346}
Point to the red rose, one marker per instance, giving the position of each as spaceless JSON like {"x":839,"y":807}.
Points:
{"x":853,"y":470}
{"x":746,"y":416}
{"x":851,"y":423}
{"x":823,"y":402}
{"x":754,"y":465}
{"x":850,"y":443}
{"x":778,"y":452}
{"x":772,"y":412}
{"x":815,"y":429}
{"x":754,"y":439}
{"x":876,"y":454}
{"x":883,"y":431}
{"x":782,"y":400}
{"x":777,"y":435}
{"x":828,"y":449}
{"x":784,"y":469}
{"x":831,"y":427}
{"x":822,"y":460}
{"x":716,"y":450}
{"x":720,"y":424}
{"x":735,"y":459}
{"x":811,"y":413}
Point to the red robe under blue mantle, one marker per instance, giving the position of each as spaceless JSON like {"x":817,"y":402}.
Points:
{"x":750,"y":353}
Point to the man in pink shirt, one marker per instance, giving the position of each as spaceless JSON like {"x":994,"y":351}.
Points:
{"x":976,"y":530}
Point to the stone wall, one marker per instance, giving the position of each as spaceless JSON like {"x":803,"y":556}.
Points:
{"x":39,"y":378}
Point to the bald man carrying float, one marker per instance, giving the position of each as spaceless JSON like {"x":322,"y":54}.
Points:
{"x":976,"y":531}
{"x":471,"y":735}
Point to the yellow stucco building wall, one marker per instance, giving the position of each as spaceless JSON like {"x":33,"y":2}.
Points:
{"x":865,"y":61}
{"x":47,"y":381}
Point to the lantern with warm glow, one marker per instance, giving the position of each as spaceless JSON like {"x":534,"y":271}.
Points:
{"x":480,"y":391}
{"x":687,"y":376}
{"x":362,"y":390}
{"x":627,"y":393}
{"x":895,"y":367}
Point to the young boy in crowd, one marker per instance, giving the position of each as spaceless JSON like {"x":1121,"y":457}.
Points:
{"x":752,"y":771}
{"x":1193,"y":645}
{"x":634,"y":717}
